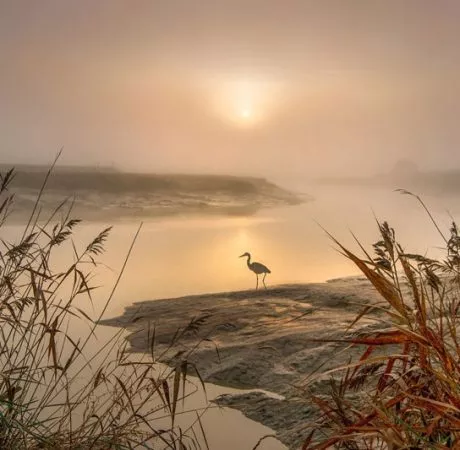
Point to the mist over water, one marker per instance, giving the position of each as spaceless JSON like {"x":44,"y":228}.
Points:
{"x":180,"y":255}
{"x":191,"y":253}
{"x":187,"y":254}
{"x":198,"y":253}
{"x":298,"y":118}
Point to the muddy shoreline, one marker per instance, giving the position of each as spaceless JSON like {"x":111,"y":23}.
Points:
{"x":113,"y":196}
{"x":265,"y":339}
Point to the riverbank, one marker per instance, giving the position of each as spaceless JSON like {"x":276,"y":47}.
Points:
{"x":265,"y":340}
{"x":116,"y":195}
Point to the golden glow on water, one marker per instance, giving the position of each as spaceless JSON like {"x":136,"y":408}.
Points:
{"x":181,"y":256}
{"x":187,"y":256}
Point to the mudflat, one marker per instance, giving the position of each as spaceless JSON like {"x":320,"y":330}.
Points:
{"x":266,"y":339}
{"x":112,"y":195}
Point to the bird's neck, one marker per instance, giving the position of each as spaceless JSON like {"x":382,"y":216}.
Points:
{"x":248,"y":261}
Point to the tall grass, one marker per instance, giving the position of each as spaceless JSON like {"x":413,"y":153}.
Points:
{"x":404,"y":391}
{"x":56,"y":390}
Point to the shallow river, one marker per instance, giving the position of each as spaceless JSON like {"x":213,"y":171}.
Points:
{"x":182,"y":256}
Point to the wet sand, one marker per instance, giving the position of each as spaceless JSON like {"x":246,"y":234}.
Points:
{"x":265,"y":339}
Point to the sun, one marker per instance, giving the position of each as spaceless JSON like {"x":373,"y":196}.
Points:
{"x":244,"y":102}
{"x":246,"y":113}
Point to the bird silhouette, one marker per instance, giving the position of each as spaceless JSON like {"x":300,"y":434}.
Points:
{"x":257,"y":268}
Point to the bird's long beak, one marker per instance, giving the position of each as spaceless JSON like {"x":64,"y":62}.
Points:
{"x":241,"y":255}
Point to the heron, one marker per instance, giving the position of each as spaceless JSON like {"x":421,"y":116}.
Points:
{"x":257,"y":268}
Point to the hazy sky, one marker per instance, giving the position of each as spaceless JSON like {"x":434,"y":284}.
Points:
{"x":227,"y":85}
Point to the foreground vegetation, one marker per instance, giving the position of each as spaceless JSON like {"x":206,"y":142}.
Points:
{"x":404,"y":391}
{"x":56,"y":392}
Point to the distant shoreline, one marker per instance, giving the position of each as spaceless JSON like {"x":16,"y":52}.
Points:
{"x":111,"y":195}
{"x":436,"y":183}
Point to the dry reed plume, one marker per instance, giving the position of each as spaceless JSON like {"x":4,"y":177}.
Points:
{"x":404,"y":391}
{"x":52,"y":395}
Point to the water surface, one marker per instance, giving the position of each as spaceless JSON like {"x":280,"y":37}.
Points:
{"x":200,"y":254}
{"x":188,"y":255}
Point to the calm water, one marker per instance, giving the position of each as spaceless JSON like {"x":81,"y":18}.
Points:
{"x":181,"y":256}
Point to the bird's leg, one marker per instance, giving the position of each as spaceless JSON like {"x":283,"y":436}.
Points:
{"x":263,"y":280}
{"x":257,"y":282}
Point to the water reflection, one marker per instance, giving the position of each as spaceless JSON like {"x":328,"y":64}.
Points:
{"x":182,"y":256}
